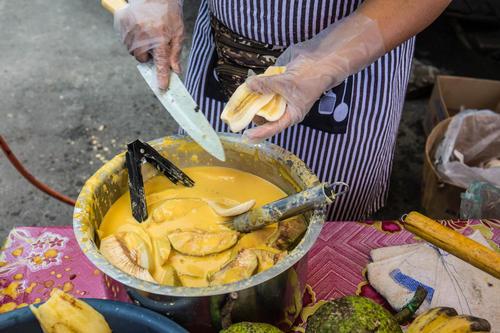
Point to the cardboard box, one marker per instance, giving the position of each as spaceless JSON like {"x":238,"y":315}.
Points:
{"x":440,"y":199}
{"x":451,"y":93}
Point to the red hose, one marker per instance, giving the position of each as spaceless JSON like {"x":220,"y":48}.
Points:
{"x":38,"y":184}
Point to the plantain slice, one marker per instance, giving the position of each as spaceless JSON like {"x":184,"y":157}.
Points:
{"x":64,"y":313}
{"x":198,"y":267}
{"x":193,"y":281}
{"x":273,"y":110}
{"x":267,"y":258}
{"x":244,"y":104}
{"x":289,"y":232}
{"x":121,"y":257}
{"x":201,"y":243}
{"x":166,"y":275}
{"x":242,"y":267}
{"x":242,"y":107}
{"x":228,"y":207}
{"x":161,"y":250}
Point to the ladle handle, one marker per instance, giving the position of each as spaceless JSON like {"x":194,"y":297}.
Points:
{"x":285,"y":208}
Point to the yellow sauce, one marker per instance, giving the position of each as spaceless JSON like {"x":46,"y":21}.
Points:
{"x":173,"y":208}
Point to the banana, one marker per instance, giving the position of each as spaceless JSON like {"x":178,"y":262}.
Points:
{"x":446,"y":320}
{"x":245,"y":104}
{"x":463,"y":324}
{"x":431,"y":318}
{"x":242,"y":107}
{"x":63,"y":313}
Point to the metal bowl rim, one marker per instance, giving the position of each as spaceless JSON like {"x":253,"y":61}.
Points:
{"x":90,"y":249}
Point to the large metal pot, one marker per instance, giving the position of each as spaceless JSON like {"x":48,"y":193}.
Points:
{"x":272,"y":296}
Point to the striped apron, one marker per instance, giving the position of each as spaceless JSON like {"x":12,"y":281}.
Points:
{"x":350,"y":134}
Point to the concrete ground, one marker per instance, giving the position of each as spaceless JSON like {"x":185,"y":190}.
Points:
{"x":71,"y":98}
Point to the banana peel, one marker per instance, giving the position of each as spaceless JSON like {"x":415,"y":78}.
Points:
{"x":245,"y":104}
{"x":63,"y":313}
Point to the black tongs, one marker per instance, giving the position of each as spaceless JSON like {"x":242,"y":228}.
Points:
{"x":138,"y":153}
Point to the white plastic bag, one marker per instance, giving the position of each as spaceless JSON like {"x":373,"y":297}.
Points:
{"x":471,"y":140}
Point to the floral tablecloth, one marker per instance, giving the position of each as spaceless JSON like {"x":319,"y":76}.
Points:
{"x":34,"y":260}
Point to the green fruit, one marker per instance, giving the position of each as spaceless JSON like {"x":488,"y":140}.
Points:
{"x":246,"y":327}
{"x":352,"y":314}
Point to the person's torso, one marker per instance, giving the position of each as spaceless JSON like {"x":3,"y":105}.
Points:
{"x":280,"y":22}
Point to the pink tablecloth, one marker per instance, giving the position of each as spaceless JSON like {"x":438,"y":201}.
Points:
{"x":35,"y":260}
{"x":338,"y":260}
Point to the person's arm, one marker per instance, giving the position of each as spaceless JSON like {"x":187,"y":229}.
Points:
{"x":342,"y":49}
{"x":398,"y":20}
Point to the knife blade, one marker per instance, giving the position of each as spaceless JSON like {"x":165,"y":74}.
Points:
{"x":181,"y":106}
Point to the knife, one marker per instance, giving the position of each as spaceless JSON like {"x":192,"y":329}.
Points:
{"x":178,"y":102}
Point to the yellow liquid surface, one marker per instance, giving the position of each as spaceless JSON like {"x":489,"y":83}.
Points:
{"x":174,"y":208}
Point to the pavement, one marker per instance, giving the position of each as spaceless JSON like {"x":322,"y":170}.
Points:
{"x":71,"y":98}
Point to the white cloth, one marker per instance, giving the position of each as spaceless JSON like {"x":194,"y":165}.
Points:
{"x":396,"y":271}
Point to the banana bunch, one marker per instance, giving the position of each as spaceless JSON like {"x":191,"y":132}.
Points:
{"x":447,"y":320}
{"x":63,"y":313}
{"x":245,"y":104}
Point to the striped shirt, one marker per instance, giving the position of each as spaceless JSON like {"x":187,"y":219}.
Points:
{"x":360,"y":152}
{"x":280,"y":22}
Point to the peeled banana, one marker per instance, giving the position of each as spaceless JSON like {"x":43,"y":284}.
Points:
{"x":245,"y":104}
{"x":63,"y":313}
{"x":446,"y":320}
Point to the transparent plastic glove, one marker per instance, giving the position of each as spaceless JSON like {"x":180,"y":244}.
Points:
{"x":157,"y":26}
{"x":316,"y":66}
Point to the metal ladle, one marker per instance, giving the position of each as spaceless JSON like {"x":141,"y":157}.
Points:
{"x":285,"y":208}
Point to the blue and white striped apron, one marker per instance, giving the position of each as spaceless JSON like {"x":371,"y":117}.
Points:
{"x":361,"y":152}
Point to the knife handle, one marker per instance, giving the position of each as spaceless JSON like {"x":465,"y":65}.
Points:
{"x":113,"y":6}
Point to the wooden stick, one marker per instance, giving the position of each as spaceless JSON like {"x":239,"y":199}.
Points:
{"x":454,"y":242}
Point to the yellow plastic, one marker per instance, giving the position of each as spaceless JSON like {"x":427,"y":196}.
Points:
{"x":113,"y":6}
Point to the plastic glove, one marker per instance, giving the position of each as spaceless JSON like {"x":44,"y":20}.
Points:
{"x":316,"y":66}
{"x":156,"y":25}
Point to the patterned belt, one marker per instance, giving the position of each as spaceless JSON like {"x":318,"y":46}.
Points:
{"x":237,"y":54}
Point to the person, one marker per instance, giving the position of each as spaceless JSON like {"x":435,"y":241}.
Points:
{"x":347,"y":68}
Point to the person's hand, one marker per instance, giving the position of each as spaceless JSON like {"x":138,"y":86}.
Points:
{"x":157,"y":26}
{"x":314,"y":67}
